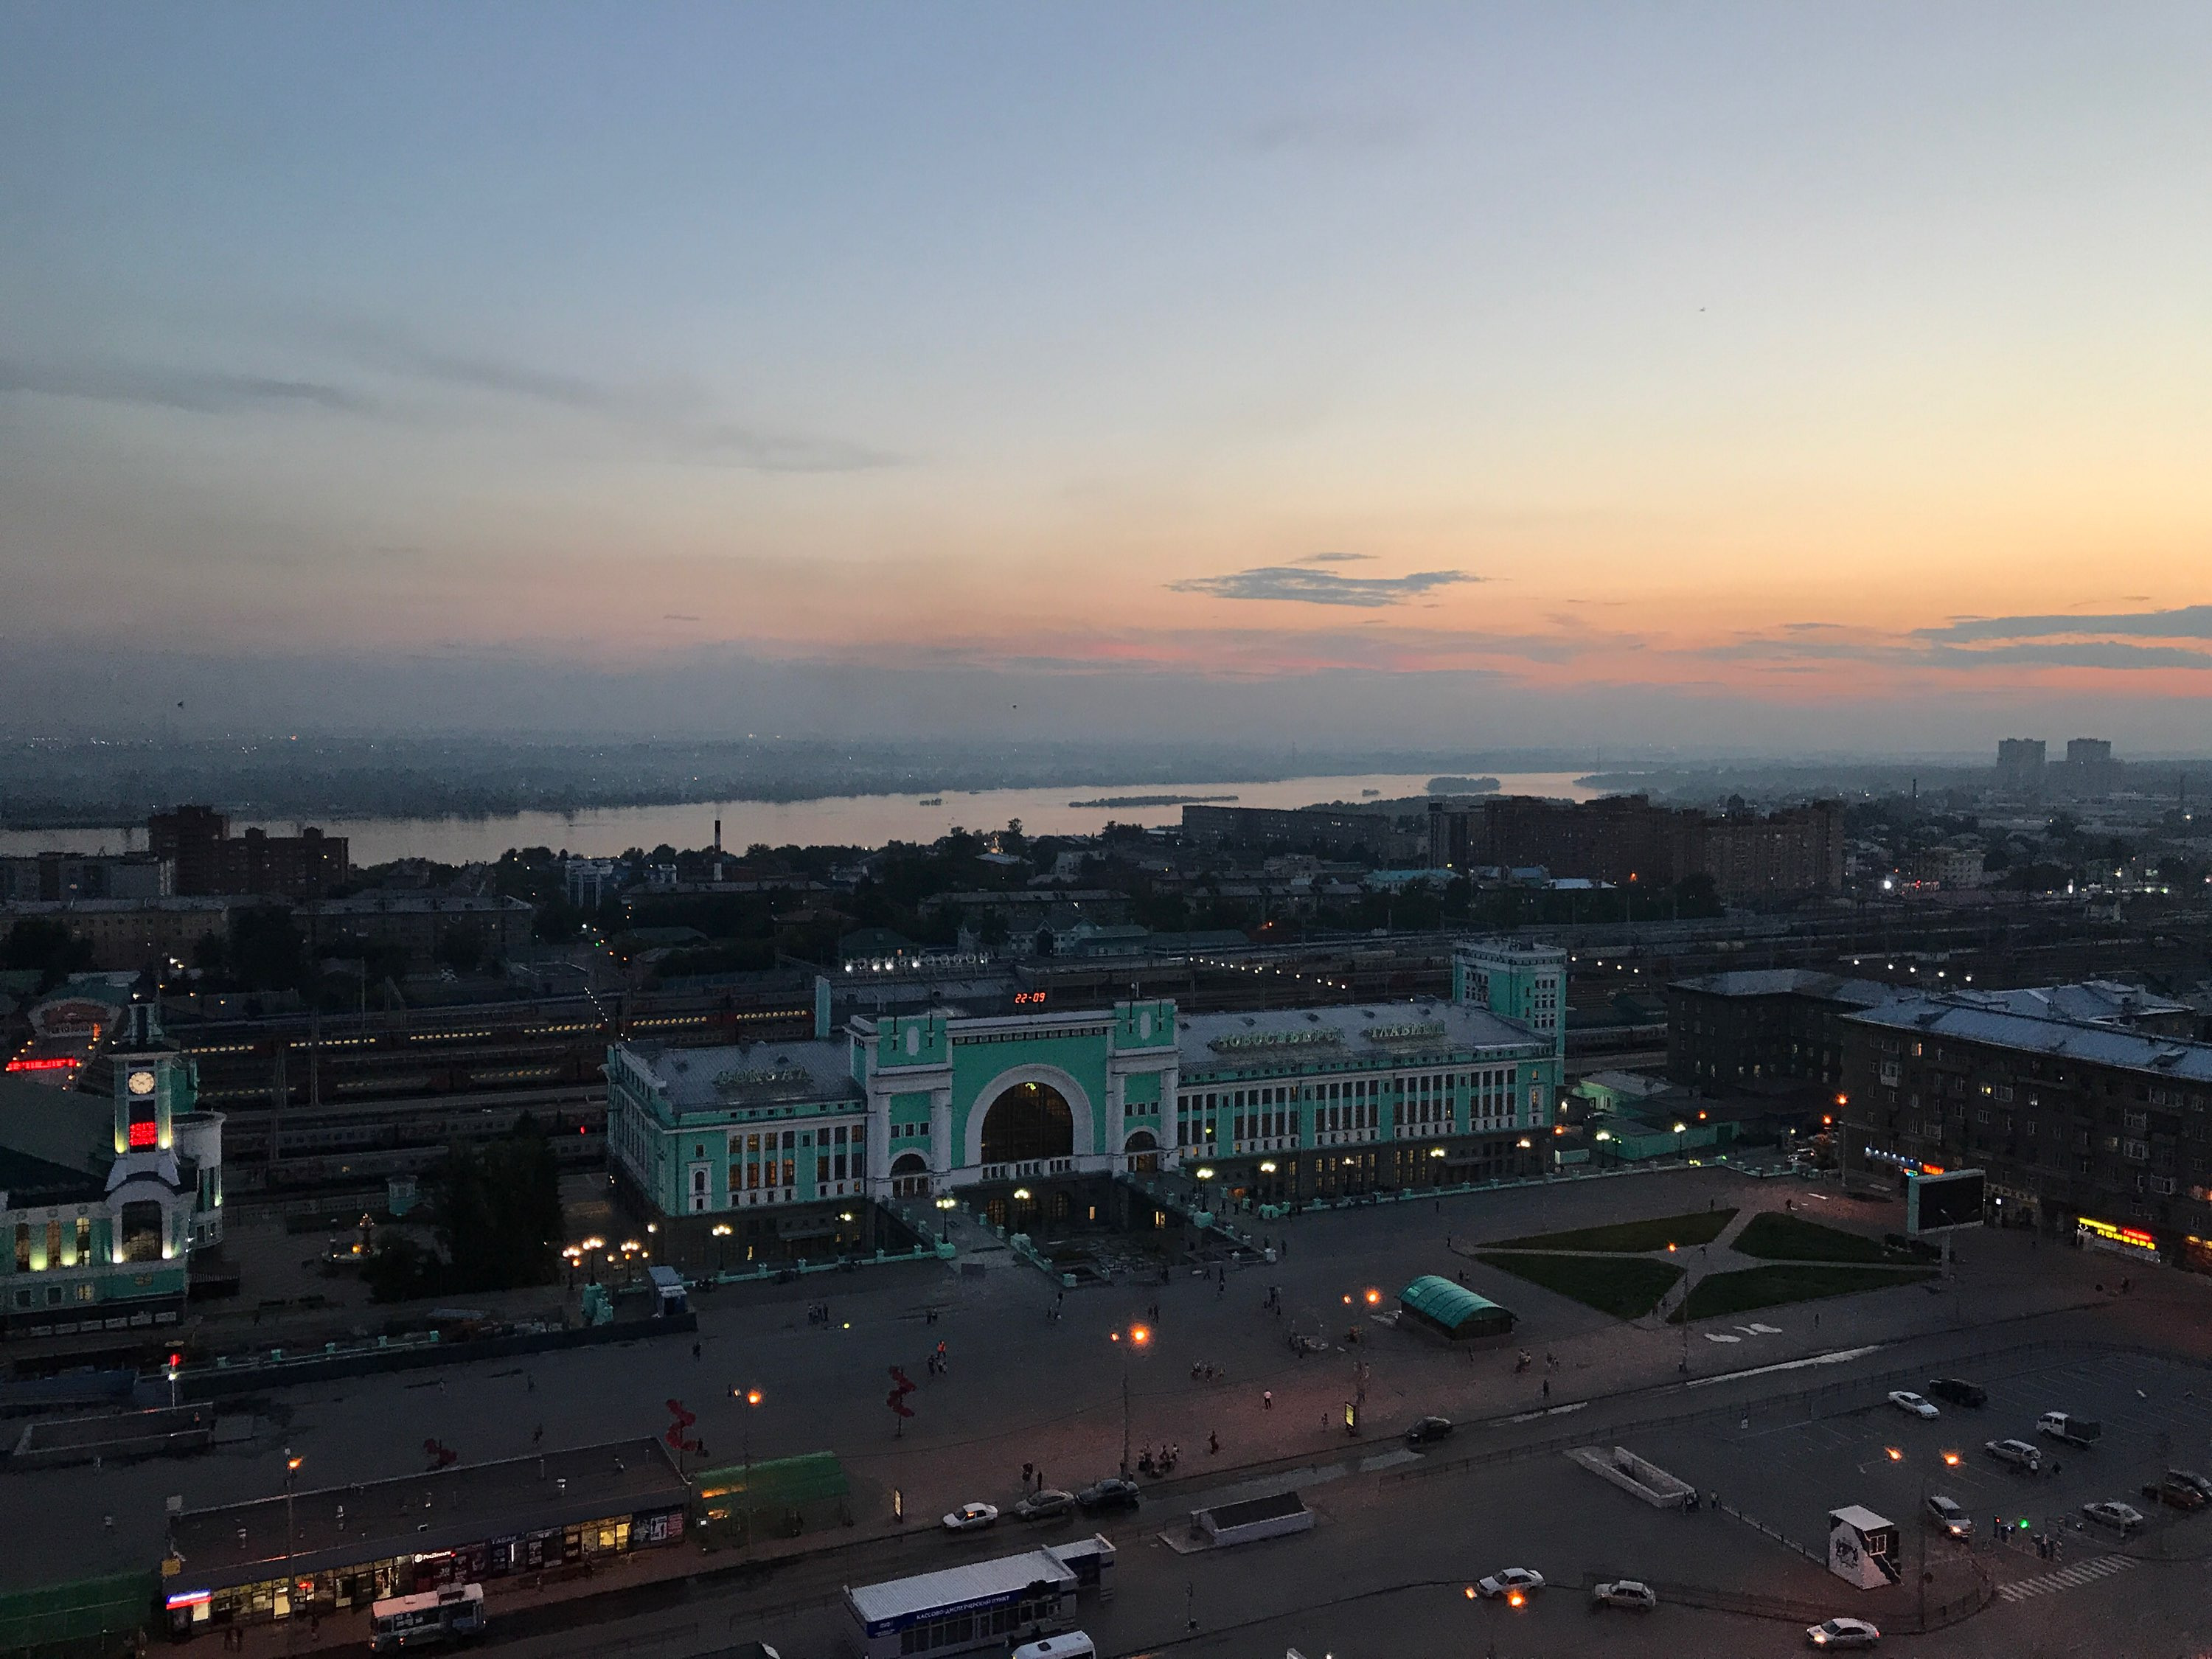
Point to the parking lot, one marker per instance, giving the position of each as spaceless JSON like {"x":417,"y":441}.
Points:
{"x":1789,"y":1467}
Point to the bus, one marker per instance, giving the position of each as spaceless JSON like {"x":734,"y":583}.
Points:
{"x":415,"y":1622}
{"x":986,"y":1604}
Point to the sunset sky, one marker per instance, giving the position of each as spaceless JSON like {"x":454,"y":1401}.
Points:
{"x":1775,"y":375}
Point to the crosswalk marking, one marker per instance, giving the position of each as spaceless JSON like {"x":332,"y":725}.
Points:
{"x":2080,"y":1573}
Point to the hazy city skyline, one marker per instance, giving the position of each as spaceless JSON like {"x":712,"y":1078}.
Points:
{"x":1747,"y":377}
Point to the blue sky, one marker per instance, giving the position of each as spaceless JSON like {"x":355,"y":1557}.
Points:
{"x":1764,"y":371}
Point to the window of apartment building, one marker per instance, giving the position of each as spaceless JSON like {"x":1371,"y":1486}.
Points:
{"x":2137,"y":1151}
{"x":1981,"y":1114}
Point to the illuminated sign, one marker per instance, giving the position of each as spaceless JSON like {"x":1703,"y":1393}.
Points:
{"x":26,"y":1064}
{"x":1029,"y":999}
{"x":2104,"y":1236}
{"x":145,"y":1135}
{"x":191,"y":1598}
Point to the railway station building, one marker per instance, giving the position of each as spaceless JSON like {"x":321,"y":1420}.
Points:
{"x":760,"y":1152}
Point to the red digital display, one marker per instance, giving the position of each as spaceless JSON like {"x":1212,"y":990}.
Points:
{"x":26,"y":1063}
{"x":1025,"y":998}
{"x":145,"y":1135}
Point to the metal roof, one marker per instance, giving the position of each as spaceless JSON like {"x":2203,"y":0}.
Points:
{"x":750,"y":1074}
{"x":1360,"y":1033}
{"x":2099,"y":1045}
{"x":1447,"y":1304}
{"x":444,"y":1509}
{"x":951,"y":1587}
{"x":1793,"y":981}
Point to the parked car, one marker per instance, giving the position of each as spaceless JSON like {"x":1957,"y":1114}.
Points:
{"x":1842,"y":1633}
{"x":1428,"y":1429}
{"x":1510,"y":1581}
{"x":1946,"y":1515}
{"x":972,"y":1517}
{"x":2190,"y":1477}
{"x":1959,"y":1391}
{"x":2018,"y":1453}
{"x":1111,"y":1493}
{"x":1912,"y":1404}
{"x":1044,"y":1505}
{"x":2073,"y":1431}
{"x":2174,"y":1494}
{"x":2123,"y":1518}
{"x":1624,"y":1593}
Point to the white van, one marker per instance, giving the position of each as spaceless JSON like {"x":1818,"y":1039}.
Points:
{"x":1074,"y":1645}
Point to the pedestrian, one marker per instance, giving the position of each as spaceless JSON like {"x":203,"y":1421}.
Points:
{"x":1212,"y":1440}
{"x":1816,"y":1322}
{"x":1266,"y":1399}
{"x":694,"y":1350}
{"x":1548,"y":1387}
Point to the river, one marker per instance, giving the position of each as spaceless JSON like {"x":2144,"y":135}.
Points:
{"x":833,"y":820}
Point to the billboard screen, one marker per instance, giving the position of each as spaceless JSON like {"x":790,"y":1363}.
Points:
{"x":1934,"y":1203}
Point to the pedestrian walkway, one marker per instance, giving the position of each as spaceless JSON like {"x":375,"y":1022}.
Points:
{"x":2081,"y":1572}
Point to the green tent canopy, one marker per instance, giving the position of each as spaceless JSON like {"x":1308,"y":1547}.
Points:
{"x":1452,"y":1311}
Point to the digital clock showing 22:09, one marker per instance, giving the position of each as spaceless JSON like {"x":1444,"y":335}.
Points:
{"x":1029,"y":999}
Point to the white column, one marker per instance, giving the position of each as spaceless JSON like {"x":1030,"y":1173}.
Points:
{"x":941,"y":1158}
{"x":1116,"y":1086}
{"x":880,"y":1141}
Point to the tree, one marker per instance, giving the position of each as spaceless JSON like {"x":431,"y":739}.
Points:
{"x":266,"y":951}
{"x":41,"y":943}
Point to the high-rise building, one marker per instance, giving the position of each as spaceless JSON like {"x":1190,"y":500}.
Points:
{"x":2090,"y":769}
{"x":1627,"y":841}
{"x":209,"y":859}
{"x":2020,"y":764}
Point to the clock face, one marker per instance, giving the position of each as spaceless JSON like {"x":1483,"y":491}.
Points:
{"x":140,"y":1083}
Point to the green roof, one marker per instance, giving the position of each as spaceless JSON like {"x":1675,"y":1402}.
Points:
{"x":778,"y":1483}
{"x":1445,"y":1304}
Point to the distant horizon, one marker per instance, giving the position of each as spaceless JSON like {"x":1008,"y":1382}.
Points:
{"x":1730,"y":378}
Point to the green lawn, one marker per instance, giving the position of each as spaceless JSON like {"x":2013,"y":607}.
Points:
{"x":1626,"y":1289}
{"x":1769,"y":1288}
{"x":1774,"y":1236}
{"x":1631,"y":1237}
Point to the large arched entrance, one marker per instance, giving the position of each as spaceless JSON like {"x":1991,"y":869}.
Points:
{"x":1144,"y":1150}
{"x":1028,"y":1122}
{"x":910,"y":1175}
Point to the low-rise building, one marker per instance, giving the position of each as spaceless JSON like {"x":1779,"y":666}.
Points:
{"x":127,"y":934}
{"x":418,"y":922}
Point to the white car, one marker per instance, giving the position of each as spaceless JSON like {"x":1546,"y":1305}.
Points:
{"x":1948,"y":1517}
{"x":1513,"y":1581}
{"x":1624,"y":1593}
{"x":1906,"y":1400}
{"x":2123,"y":1518}
{"x":1842,"y":1633}
{"x":972,"y":1517}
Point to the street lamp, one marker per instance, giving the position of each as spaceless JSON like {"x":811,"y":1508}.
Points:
{"x":945,"y":1206}
{"x":1140,"y":1337}
{"x":291,"y":1584}
{"x":721,"y":1231}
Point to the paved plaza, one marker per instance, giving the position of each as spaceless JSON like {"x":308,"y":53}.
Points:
{"x":1034,"y":1376}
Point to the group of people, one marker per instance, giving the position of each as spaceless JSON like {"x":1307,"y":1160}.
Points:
{"x":1160,"y":1463}
{"x":817,"y":1312}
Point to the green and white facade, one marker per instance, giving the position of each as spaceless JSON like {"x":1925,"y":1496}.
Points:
{"x":764,"y":1147}
{"x":104,"y":1199}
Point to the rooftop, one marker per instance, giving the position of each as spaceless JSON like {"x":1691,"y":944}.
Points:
{"x":956,"y":1586}
{"x":2101,"y":1045}
{"x":1368,"y":1032}
{"x":244,"y":1543}
{"x":1799,"y":981}
{"x":749,"y":1074}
